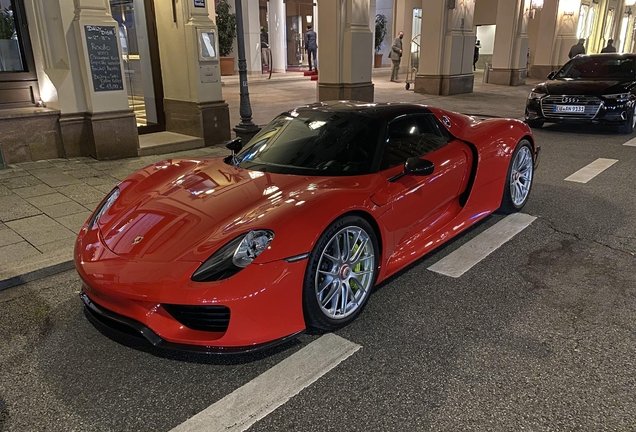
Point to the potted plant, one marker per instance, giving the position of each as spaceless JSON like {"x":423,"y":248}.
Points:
{"x":380,"y":32}
{"x":226,"y":24}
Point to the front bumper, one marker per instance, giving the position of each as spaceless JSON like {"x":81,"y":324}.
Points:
{"x":109,"y":319}
{"x":264,"y":300}
{"x":594,"y":112}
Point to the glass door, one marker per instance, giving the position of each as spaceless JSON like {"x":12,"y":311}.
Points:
{"x":136,"y":22}
{"x":300,"y":14}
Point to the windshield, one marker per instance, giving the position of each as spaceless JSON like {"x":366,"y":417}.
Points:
{"x":598,"y":68}
{"x":312,"y":142}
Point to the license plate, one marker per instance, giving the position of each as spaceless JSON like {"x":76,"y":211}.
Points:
{"x":569,"y":108}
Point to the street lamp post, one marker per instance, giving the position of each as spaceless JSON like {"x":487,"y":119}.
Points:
{"x":246,"y":129}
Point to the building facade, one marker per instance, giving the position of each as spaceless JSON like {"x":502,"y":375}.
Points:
{"x":99,"y":77}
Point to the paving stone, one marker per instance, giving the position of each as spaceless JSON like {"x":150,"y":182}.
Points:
{"x":81,"y":193}
{"x":58,"y":245}
{"x":12,"y":173}
{"x":81,"y":173}
{"x":101,"y":180}
{"x":4,"y":191}
{"x":48,"y":200}
{"x":74,"y":222}
{"x":105,"y":188}
{"x":20,"y":182}
{"x":13,"y":207}
{"x":32,"y":166}
{"x":55,"y":177}
{"x":40,"y":230}
{"x":8,"y":236}
{"x":33,"y":191}
{"x":16,"y":252}
{"x":63,"y":209}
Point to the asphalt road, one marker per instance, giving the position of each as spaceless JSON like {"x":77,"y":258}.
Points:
{"x":540,"y":335}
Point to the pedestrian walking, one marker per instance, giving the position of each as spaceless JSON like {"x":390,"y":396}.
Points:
{"x":396,"y":55}
{"x":476,"y":55}
{"x":264,"y":46}
{"x":610,"y":48}
{"x":311,"y":47}
{"x":577,"y":49}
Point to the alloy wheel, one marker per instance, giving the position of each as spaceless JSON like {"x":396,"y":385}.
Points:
{"x":345,"y":272}
{"x":521,"y":176}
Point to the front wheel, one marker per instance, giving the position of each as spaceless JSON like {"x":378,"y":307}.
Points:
{"x":341,"y":271}
{"x":629,"y":125}
{"x":519,"y":178}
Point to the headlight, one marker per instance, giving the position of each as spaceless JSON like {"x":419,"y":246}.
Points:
{"x":234,"y":256}
{"x":106,"y":204}
{"x":618,"y":96}
{"x":536,"y":95}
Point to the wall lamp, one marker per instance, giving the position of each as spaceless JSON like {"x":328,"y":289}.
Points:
{"x":628,"y":6}
{"x":536,"y":5}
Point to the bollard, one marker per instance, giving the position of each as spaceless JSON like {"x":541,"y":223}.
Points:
{"x":1,"y":159}
{"x":486,"y":71}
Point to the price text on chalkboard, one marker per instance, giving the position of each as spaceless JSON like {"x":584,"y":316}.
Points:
{"x":103,"y":56}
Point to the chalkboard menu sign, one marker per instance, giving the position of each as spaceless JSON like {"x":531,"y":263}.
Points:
{"x":103,"y":56}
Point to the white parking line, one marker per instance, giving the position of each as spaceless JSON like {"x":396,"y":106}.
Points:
{"x":463,"y":259}
{"x":631,"y":143}
{"x":590,"y":171}
{"x":248,"y":404}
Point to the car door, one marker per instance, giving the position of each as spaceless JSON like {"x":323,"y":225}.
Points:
{"x":421,"y":203}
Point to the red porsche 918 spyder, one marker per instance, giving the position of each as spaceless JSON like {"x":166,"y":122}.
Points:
{"x":294,"y":230}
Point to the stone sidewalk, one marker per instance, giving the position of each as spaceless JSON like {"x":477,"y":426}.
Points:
{"x":44,"y":204}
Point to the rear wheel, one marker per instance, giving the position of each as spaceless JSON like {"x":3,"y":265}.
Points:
{"x":341,"y":271}
{"x":519,"y":178}
{"x":630,"y":124}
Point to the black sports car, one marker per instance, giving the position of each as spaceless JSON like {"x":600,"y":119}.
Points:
{"x":594,"y":88}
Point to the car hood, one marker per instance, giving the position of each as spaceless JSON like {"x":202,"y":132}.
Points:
{"x":583,"y":87}
{"x":186,"y":209}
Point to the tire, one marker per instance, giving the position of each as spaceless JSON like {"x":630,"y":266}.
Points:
{"x":330,"y":278}
{"x":519,"y":178}
{"x":535,"y":124}
{"x":628,"y":127}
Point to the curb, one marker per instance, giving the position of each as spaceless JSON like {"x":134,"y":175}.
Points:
{"x":36,"y":274}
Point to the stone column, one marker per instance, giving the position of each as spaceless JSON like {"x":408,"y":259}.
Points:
{"x":193,"y":101}
{"x":546,"y":39}
{"x":112,"y":125}
{"x":252,"y":26}
{"x":345,"y":59}
{"x":277,"y":43}
{"x":509,"y":60}
{"x":567,"y":22}
{"x":447,"y":47}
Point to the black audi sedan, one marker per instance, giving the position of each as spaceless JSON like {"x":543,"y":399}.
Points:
{"x":594,"y":88}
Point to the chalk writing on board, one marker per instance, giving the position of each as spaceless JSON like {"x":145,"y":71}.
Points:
{"x":103,"y":57}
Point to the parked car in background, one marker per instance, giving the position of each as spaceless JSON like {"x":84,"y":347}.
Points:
{"x":594,"y":88}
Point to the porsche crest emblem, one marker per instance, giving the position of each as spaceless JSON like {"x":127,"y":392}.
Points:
{"x":137,"y":239}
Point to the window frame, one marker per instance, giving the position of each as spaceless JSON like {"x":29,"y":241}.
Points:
{"x":443,"y":131}
{"x":15,"y":80}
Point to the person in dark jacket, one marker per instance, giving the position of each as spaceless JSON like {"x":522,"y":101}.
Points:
{"x":395,"y":55}
{"x":264,"y":46}
{"x":476,"y":55}
{"x":610,"y":48}
{"x":577,"y":49}
{"x":311,"y":46}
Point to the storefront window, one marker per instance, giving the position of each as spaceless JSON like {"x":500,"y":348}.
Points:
{"x":10,"y":52}
{"x":609,"y":25}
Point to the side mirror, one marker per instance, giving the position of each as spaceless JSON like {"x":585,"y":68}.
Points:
{"x":417,"y":166}
{"x":552,"y":74}
{"x":235,"y":145}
